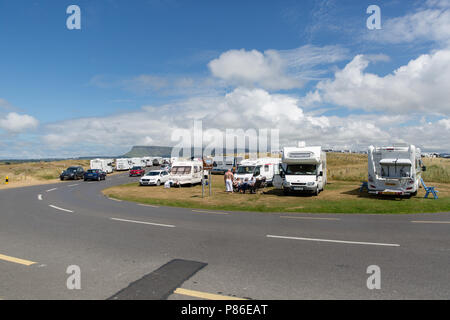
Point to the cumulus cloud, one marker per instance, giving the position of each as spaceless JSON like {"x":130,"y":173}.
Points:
{"x":16,"y":123}
{"x":430,"y":22}
{"x":243,"y":108}
{"x":419,"y":86}
{"x":275,"y":70}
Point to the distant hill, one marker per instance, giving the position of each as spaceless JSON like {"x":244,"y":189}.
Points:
{"x":148,"y":151}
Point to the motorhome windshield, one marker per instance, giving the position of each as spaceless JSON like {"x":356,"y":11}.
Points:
{"x":245,"y":169}
{"x":395,"y":171}
{"x":181,"y":170}
{"x":301,"y":169}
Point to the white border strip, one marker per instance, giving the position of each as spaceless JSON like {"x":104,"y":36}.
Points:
{"x":143,"y":222}
{"x":39,"y":196}
{"x":49,"y":190}
{"x":310,"y":218}
{"x":336,"y":241}
{"x":58,"y":208}
{"x":73,"y":185}
{"x":431,"y":221}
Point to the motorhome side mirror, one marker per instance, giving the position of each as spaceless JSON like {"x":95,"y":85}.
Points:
{"x":321,"y":174}
{"x":424,"y":168}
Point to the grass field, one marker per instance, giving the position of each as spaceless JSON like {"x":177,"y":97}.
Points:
{"x":345,"y":173}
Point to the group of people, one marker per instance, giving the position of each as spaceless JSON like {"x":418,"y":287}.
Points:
{"x":238,"y":184}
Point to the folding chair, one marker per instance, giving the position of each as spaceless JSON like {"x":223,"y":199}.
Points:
{"x":429,"y":190}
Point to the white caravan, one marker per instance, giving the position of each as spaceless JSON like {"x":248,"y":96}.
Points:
{"x":123,"y":164}
{"x":102,"y":164}
{"x":394,"y":170}
{"x":138,"y":162}
{"x":148,"y":161}
{"x":186,"y":172}
{"x":258,"y":168}
{"x":225,"y":163}
{"x":302,"y":169}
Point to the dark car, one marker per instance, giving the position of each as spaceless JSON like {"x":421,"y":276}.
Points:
{"x":137,"y":171}
{"x":94,"y":174}
{"x":72,"y":173}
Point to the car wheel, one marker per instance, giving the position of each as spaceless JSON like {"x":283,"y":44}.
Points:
{"x":158,"y":183}
{"x":316,"y":193}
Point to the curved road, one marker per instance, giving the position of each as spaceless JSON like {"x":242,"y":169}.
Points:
{"x":44,"y":229}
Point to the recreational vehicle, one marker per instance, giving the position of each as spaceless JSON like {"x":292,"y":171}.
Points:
{"x":223,"y":164}
{"x":102,"y":164}
{"x":123,"y":164}
{"x":186,"y":172}
{"x":138,"y":162}
{"x":394,"y":170}
{"x":302,"y":169}
{"x":258,"y":168}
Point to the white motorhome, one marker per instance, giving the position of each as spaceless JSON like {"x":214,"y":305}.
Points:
{"x":138,"y":162}
{"x":148,"y":161}
{"x":302,"y":169}
{"x":394,"y":170}
{"x":258,"y":168}
{"x":186,"y":172}
{"x":123,"y":164}
{"x":102,"y":164}
{"x":222,"y":164}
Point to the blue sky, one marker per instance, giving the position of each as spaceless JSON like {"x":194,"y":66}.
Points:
{"x":171,"y":55}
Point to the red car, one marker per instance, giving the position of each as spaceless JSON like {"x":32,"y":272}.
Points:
{"x":137,"y":172}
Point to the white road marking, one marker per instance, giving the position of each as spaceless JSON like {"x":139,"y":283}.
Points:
{"x":431,"y":221}
{"x":309,"y":218}
{"x":115,"y":199}
{"x":336,"y":241}
{"x":39,"y":196}
{"x":148,"y":205}
{"x":51,"y":190}
{"x":73,"y":185}
{"x":214,"y":212}
{"x":58,"y":208}
{"x":144,"y":222}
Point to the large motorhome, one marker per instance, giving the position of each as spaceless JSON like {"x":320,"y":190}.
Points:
{"x":394,"y":170}
{"x":102,"y":164}
{"x":123,"y":164}
{"x":138,"y":162}
{"x":302,"y":169}
{"x":258,"y":168}
{"x":186,"y":172}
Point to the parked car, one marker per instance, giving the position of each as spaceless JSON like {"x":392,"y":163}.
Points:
{"x":137,"y":171}
{"x":154,"y":177}
{"x":94,"y":174}
{"x":72,"y":173}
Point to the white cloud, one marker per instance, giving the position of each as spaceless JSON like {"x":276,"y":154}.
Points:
{"x":420,"y":86}
{"x":275,"y":70}
{"x":430,"y":22}
{"x":242,"y":108}
{"x":16,"y":123}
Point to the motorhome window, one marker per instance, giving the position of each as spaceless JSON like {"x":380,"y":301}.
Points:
{"x":245,"y":169}
{"x":257,"y":171}
{"x":395,"y":171}
{"x":301,"y":169}
{"x":266,"y":168}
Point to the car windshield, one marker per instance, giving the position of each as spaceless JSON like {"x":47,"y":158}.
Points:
{"x":245,"y":169}
{"x":301,"y":169}
{"x":181,"y":170}
{"x":136,"y":168}
{"x":72,"y":169}
{"x":92,"y":171}
{"x":153,"y":173}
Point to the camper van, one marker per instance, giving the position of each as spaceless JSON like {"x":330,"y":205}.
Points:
{"x":394,"y":170}
{"x":102,"y":164}
{"x":186,"y":172}
{"x":258,"y":168}
{"x":302,"y":169}
{"x":138,"y":162}
{"x":123,"y":164}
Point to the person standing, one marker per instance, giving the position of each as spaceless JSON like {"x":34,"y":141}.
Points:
{"x":228,"y":178}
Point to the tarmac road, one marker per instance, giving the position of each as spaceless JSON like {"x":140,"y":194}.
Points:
{"x":203,"y":254}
